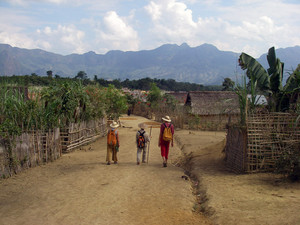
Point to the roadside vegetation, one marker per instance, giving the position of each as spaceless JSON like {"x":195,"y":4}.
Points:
{"x":27,"y":110}
{"x":280,"y":98}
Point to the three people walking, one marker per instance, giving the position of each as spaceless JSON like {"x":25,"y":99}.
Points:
{"x":142,"y":140}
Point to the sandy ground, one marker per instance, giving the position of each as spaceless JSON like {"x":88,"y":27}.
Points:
{"x":80,"y":188}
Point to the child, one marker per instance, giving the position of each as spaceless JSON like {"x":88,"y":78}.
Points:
{"x":142,"y":138}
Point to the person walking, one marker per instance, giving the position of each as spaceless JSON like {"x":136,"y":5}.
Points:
{"x":142,"y":138}
{"x":113,"y":143}
{"x":165,"y":137}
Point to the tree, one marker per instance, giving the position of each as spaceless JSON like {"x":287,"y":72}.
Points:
{"x":291,"y":91}
{"x":81,"y":75}
{"x":49,"y":73}
{"x":154,"y":95}
{"x":228,"y":85}
{"x":270,"y":81}
{"x":115,"y":102}
{"x":95,"y":78}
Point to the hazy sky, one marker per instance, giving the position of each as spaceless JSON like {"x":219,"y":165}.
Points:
{"x":79,"y":26}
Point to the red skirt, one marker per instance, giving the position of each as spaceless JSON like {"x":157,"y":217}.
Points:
{"x":164,"y":148}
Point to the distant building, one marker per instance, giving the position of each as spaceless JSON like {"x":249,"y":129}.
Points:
{"x":139,"y":94}
{"x":213,"y":102}
{"x":213,"y":108}
{"x":179,"y":96}
{"x":259,"y":99}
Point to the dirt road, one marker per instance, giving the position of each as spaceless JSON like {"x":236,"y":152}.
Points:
{"x":237,"y":199}
{"x":80,"y":188}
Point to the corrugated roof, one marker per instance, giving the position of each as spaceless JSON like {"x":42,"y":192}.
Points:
{"x":214,"y":102}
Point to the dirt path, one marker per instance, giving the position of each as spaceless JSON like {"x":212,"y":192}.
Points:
{"x":80,"y":188}
{"x":237,"y":199}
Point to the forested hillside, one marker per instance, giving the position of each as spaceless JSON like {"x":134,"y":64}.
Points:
{"x":141,"y":84}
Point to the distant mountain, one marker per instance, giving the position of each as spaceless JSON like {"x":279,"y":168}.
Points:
{"x":204,"y":64}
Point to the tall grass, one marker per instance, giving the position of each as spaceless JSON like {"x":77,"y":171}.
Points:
{"x":241,"y":91}
{"x":17,"y":112}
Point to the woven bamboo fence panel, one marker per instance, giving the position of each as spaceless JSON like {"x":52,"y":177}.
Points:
{"x":78,"y":134}
{"x":268,"y":135}
{"x":29,"y":150}
{"x":4,"y":170}
{"x":236,"y":149}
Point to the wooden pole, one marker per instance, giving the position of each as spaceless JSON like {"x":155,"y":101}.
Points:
{"x":149,"y":146}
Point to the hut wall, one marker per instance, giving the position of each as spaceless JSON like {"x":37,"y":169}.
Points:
{"x":182,"y":119}
{"x":216,"y":122}
{"x":78,"y":134}
{"x":178,"y":118}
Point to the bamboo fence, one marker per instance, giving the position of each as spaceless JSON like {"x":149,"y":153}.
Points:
{"x":267,"y":135}
{"x":78,"y":134}
{"x":28,"y":150}
{"x":37,"y":147}
{"x":235,"y":149}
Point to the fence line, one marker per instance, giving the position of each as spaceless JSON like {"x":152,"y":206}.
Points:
{"x":78,"y":134}
{"x":37,"y":147}
{"x":267,"y":135}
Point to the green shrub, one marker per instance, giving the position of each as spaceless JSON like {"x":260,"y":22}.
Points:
{"x":289,"y":161}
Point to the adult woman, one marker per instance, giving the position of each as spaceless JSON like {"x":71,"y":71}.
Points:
{"x":113,"y":143}
{"x":165,"y":137}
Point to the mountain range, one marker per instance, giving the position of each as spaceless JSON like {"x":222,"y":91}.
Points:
{"x":204,"y":64}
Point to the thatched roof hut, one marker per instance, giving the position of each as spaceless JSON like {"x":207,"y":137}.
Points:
{"x":213,"y":102}
{"x":179,"y":96}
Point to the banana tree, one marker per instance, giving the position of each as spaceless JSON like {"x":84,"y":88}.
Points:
{"x":292,"y":89}
{"x":270,"y":81}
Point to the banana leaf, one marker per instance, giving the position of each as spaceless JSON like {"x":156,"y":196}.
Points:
{"x":292,"y":83}
{"x":275,"y":71}
{"x":255,"y":70}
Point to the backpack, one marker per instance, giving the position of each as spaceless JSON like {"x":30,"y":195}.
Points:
{"x":111,"y":138}
{"x":141,"y":140}
{"x":167,"y":134}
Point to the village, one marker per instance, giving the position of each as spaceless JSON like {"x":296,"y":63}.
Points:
{"x":234,"y":161}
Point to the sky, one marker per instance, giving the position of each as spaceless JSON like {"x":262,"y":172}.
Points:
{"x":79,"y":26}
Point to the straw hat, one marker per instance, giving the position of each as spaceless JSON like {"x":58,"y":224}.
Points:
{"x":114,"y":125}
{"x":167,"y":119}
{"x":142,"y":125}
